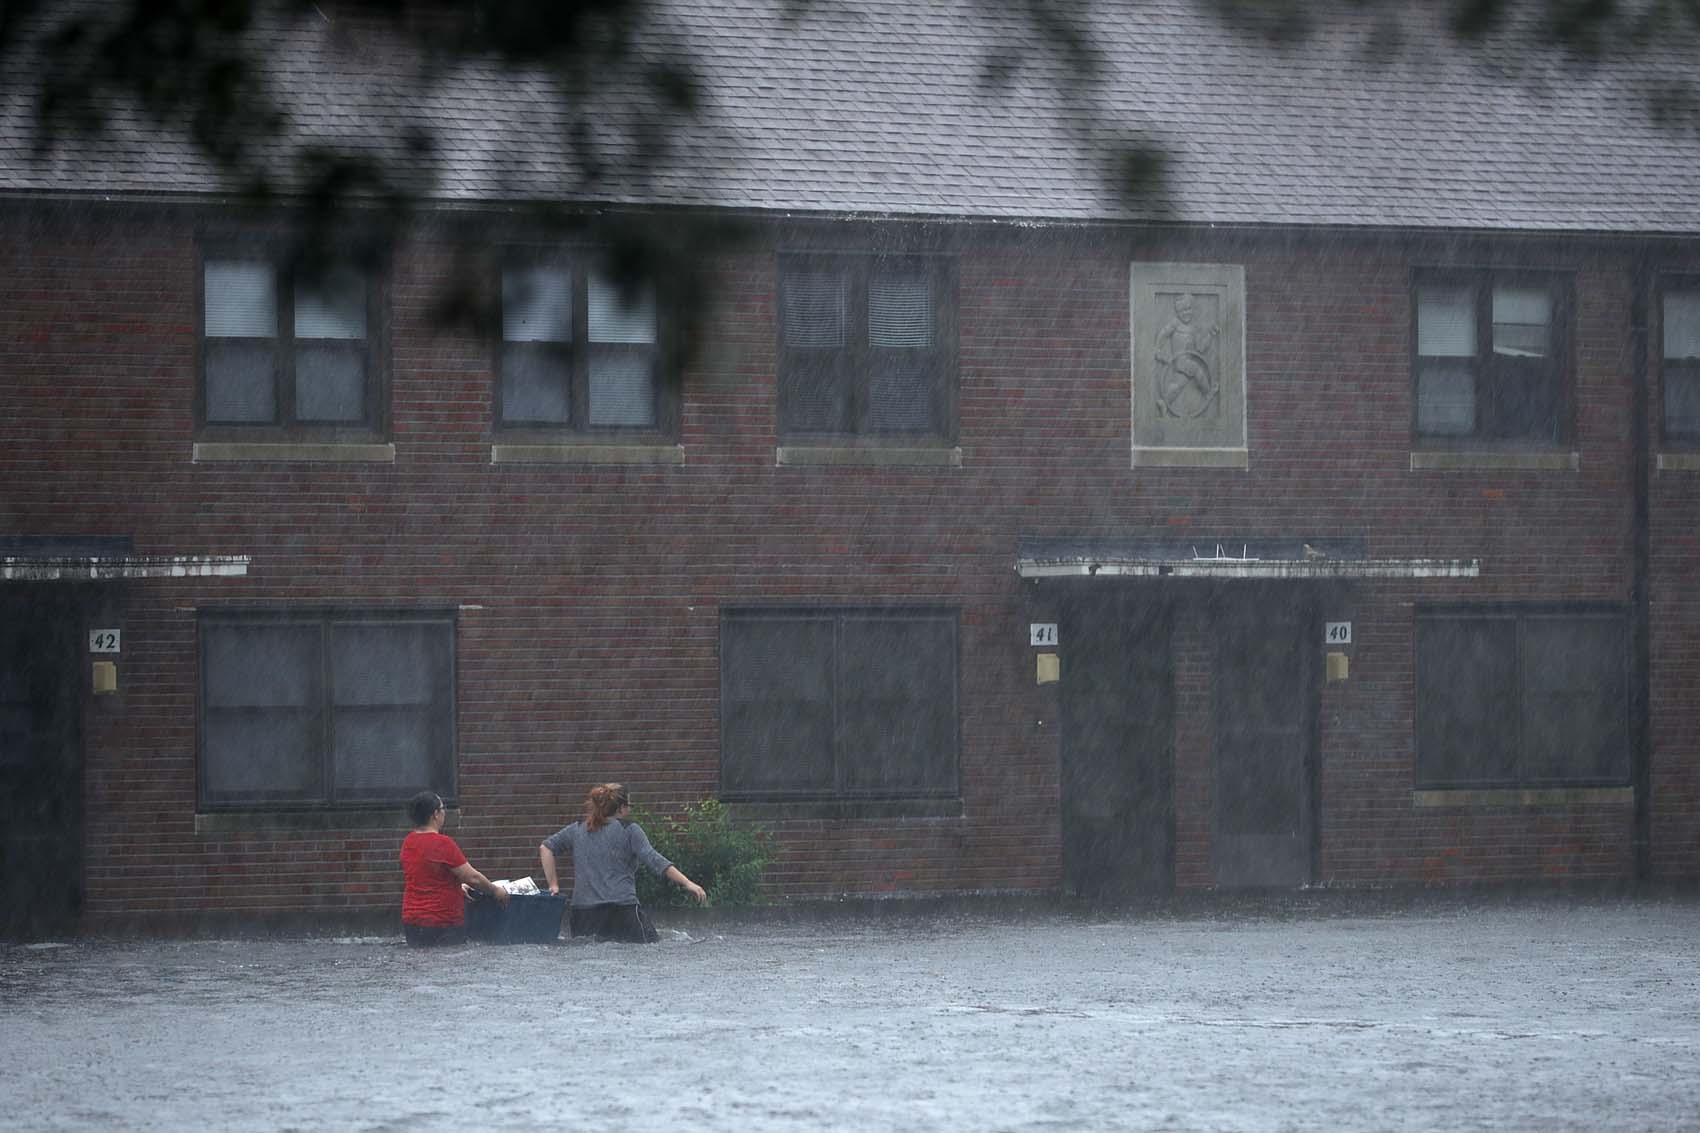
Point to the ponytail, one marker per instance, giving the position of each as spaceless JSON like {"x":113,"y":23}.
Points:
{"x":602,"y":804}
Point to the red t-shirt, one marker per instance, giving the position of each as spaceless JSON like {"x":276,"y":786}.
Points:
{"x":432,"y":895}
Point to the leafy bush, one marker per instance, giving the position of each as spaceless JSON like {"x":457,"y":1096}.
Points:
{"x":727,"y":858}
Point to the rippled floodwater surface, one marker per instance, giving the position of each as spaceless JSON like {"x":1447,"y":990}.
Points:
{"x":1547,"y":1016}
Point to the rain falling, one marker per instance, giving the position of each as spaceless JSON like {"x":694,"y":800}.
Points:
{"x":1095,"y":564}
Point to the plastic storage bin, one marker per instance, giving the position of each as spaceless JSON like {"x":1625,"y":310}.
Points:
{"x":531,"y":918}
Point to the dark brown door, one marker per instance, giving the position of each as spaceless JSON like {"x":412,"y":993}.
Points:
{"x":1118,"y":747}
{"x":40,"y":763}
{"x":1264,"y":706}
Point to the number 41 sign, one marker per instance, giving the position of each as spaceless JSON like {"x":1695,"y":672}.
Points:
{"x":1337,"y":633}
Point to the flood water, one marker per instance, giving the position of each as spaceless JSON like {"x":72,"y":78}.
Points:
{"x":1545,"y":1015}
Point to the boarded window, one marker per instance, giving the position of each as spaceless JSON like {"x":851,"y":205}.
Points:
{"x":866,"y":345}
{"x":325,"y":710}
{"x":1522,"y":698}
{"x":824,"y":704}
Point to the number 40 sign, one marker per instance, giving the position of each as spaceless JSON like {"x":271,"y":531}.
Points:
{"x":1337,"y":633}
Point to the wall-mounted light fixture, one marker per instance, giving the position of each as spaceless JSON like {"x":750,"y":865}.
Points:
{"x":105,"y":677}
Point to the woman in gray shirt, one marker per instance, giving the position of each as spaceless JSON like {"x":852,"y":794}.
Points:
{"x":607,"y":849}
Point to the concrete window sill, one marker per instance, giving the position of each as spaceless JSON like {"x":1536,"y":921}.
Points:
{"x":1237,"y":459}
{"x":868,"y":456}
{"x":586,"y":453}
{"x":218,"y":452}
{"x":1514,"y":796}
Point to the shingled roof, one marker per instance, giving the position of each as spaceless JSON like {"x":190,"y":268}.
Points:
{"x":883,"y":107}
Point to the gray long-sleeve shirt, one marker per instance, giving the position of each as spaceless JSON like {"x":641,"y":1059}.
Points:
{"x":605,"y":861}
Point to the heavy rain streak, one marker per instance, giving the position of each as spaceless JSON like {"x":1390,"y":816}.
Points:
{"x":767,"y":565}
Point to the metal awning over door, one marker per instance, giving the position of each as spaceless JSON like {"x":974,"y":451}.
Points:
{"x":56,"y":558}
{"x":1261,"y":558}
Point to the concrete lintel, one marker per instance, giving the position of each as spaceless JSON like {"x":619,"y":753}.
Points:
{"x":1679,"y":462}
{"x":1491,"y":460}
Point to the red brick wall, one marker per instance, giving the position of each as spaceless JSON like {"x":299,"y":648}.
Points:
{"x":589,"y":597}
{"x":1674,"y":687}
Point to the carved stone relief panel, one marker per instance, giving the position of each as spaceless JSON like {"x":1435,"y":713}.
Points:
{"x":1188,"y":356}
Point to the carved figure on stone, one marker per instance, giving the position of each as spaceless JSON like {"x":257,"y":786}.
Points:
{"x":1187,"y":380}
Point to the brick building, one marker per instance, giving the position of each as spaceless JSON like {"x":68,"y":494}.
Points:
{"x":1327,"y":518}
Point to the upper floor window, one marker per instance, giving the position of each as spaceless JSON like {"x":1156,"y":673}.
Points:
{"x":285,"y":349}
{"x":1680,"y":372}
{"x":1491,"y":357}
{"x":325,"y":709}
{"x":830,"y":704}
{"x":579,"y":352}
{"x":1521,"y":698}
{"x":867,"y":345}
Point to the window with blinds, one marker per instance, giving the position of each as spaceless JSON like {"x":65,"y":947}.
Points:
{"x":579,"y":351}
{"x":325,"y":709}
{"x":286,"y":349}
{"x":827,"y":704}
{"x":1490,"y":358}
{"x":1680,"y":367}
{"x":866,"y":345}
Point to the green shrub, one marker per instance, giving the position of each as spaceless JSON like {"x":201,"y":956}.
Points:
{"x":727,"y":858}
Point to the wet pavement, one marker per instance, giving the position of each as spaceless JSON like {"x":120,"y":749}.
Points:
{"x":1534,"y":1015}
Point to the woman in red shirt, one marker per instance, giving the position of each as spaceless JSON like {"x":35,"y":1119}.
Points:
{"x":433,"y":909}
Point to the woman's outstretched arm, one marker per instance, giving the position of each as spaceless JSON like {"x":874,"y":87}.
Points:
{"x":674,"y":875}
{"x":466,"y":875}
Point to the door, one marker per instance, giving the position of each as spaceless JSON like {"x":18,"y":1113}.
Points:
{"x":1264,"y":709}
{"x":40,"y":761}
{"x":1117,"y":748}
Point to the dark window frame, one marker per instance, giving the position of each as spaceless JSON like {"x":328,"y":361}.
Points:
{"x":1430,"y":768}
{"x":1687,"y":368}
{"x":857,"y":356}
{"x":575,"y":356}
{"x":325,"y":796}
{"x":1493,"y":373}
{"x":840,"y":792}
{"x":286,"y":272}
